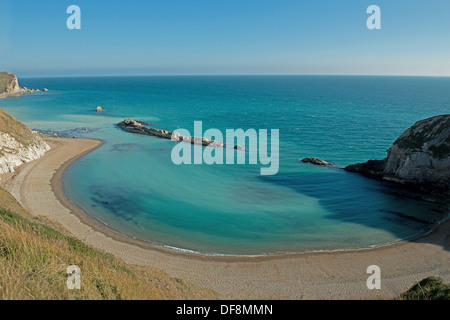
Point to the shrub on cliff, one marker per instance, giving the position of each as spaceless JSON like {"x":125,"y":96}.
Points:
{"x":431,"y":288}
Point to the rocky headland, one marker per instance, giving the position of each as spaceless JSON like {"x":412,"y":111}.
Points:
{"x":18,"y":143}
{"x":419,"y":158}
{"x":9,"y":86}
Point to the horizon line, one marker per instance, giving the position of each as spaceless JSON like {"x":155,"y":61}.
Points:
{"x":237,"y":75}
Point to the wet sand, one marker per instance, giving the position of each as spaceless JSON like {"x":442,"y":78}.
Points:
{"x":327,"y":275}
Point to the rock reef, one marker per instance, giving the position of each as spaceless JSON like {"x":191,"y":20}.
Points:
{"x":140,"y":127}
{"x":419,"y":158}
{"x":18,"y":143}
{"x":317,"y":162}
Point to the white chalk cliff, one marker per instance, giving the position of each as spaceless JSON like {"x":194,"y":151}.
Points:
{"x":18,"y":143}
{"x":9,"y":86}
{"x":419,"y":157}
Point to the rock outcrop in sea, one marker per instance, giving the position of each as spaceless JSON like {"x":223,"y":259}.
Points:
{"x":139,"y":127}
{"x":317,"y":162}
{"x":18,"y":143}
{"x":419,"y":158}
{"x":9,"y":86}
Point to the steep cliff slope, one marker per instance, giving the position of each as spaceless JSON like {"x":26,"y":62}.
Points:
{"x":18,"y":144}
{"x":9,"y":86}
{"x":8,"y":83}
{"x":419,"y":157}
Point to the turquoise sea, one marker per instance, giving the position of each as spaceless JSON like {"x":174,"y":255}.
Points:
{"x":131,"y":184}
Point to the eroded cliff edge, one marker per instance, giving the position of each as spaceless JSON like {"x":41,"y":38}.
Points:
{"x":419,"y":158}
{"x":18,"y":143}
{"x":9,"y":86}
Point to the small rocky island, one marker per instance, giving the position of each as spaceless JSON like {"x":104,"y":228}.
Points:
{"x":419,"y":158}
{"x":140,"y":127}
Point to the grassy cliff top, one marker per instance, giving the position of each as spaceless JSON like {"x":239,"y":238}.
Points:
{"x":15,"y":128}
{"x":35,"y":254}
{"x":432,"y":134}
{"x":431,"y":288}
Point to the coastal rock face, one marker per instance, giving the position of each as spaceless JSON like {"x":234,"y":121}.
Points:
{"x":9,"y":86}
{"x":8,"y":83}
{"x":18,"y":144}
{"x":420,"y":157}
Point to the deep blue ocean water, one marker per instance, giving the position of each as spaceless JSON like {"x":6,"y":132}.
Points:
{"x":131,"y":184}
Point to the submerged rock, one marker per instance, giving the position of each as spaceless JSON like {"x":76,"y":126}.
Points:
{"x":420,"y":157}
{"x":317,"y":162}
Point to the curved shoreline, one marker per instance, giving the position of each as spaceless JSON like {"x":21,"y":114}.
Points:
{"x":316,"y":275}
{"x":57,"y":184}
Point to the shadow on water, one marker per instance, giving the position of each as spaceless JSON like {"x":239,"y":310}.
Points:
{"x":352,"y":198}
{"x":115,"y":202}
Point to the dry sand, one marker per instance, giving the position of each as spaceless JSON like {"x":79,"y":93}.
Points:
{"x":334,"y":275}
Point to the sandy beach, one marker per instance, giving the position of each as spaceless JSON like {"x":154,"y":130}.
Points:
{"x":328,"y":275}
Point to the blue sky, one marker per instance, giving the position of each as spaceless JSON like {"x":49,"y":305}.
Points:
{"x":171,"y":37}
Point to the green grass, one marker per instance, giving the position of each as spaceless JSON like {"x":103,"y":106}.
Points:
{"x":431,"y":288}
{"x":15,"y":128}
{"x":34,"y":257}
{"x":442,"y":151}
{"x":417,"y":139}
